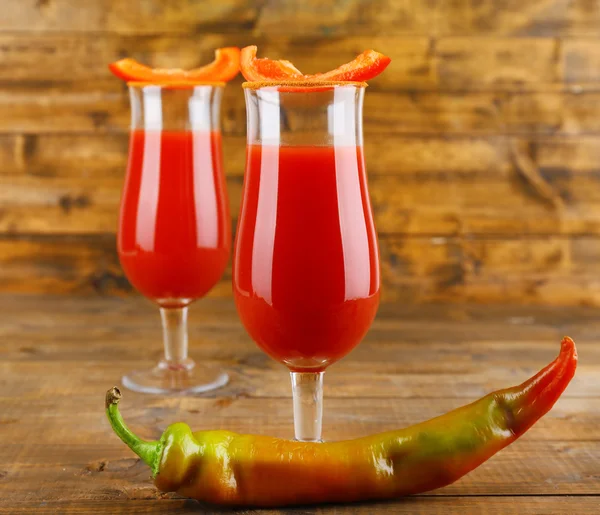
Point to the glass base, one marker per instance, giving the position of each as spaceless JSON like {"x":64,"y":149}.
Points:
{"x":184,"y":378}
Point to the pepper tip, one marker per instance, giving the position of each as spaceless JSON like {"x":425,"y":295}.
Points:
{"x":113,"y":396}
{"x":568,"y":346}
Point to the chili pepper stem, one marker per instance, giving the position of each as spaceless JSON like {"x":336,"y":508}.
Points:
{"x":149,"y":452}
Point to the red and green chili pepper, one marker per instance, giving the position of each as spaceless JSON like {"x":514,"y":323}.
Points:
{"x":226,"y":468}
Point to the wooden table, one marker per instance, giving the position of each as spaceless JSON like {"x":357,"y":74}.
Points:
{"x":59,"y":356}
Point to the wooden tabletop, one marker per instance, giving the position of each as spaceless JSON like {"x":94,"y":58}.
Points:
{"x":58,"y":356}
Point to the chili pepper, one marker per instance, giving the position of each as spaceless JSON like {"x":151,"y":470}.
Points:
{"x":225,"y":67}
{"x":226,"y":468}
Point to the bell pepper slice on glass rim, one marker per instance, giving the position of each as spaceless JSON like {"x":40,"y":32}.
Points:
{"x":225,"y":67}
{"x":364,"y":67}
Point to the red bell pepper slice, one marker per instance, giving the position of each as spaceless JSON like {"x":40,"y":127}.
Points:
{"x":224,"y":68}
{"x":264,"y":69}
{"x":366,"y":66}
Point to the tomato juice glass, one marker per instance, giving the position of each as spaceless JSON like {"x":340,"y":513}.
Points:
{"x":306,"y":263}
{"x":174,"y":226}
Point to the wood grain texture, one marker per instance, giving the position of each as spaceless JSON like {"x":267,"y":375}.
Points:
{"x":84,"y":156}
{"x":419,"y":62}
{"x":434,"y":17}
{"x":81,"y":107}
{"x":310,"y":18}
{"x":553,"y":271}
{"x":59,"y":354}
{"x":546,"y":270}
{"x":583,"y":505}
{"x":482,"y":137}
{"x":434,"y":186}
{"x":134,"y":17}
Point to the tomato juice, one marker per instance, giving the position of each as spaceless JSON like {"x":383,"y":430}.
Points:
{"x":306,"y":274}
{"x":174,"y":229}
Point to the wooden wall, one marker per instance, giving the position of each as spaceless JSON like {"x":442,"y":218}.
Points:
{"x":482,"y":138}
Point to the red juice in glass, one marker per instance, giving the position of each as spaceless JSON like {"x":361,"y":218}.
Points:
{"x":306,"y":278}
{"x":174,"y":235}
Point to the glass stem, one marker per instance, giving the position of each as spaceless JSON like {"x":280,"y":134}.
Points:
{"x":175,"y":336}
{"x":307,"y":390}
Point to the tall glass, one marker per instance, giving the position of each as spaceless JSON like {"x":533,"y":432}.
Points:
{"x":174,"y":227}
{"x":306,"y":264}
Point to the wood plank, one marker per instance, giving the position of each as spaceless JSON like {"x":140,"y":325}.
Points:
{"x":84,"y":156}
{"x":456,"y":353}
{"x":30,"y":15}
{"x":548,"y":505}
{"x":465,"y":63}
{"x":310,"y":18}
{"x":31,"y":204}
{"x":566,"y":155}
{"x":103,"y":106}
{"x":57,"y":57}
{"x":436,"y":18}
{"x":96,"y":156}
{"x":581,"y":60}
{"x":468,"y":334}
{"x":152,"y":16}
{"x":12,"y":154}
{"x":572,"y":420}
{"x":260,"y":377}
{"x":81,"y":156}
{"x":548,"y":270}
{"x":419,"y":63}
{"x":62,"y":265}
{"x":67,"y":265}
{"x":381,"y":351}
{"x":70,"y":205}
{"x":53,"y":55}
{"x":64,"y":107}
{"x":60,"y":195}
{"x":444,"y":188}
{"x":112,"y":318}
{"x":570,"y":112}
{"x":228,"y":342}
{"x":87,"y":107}
{"x":45,"y":344}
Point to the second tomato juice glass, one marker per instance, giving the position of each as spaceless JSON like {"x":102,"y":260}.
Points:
{"x":174,"y":227}
{"x":306,"y":264}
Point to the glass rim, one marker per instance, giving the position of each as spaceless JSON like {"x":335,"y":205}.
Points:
{"x":175,"y":84}
{"x":289,"y":86}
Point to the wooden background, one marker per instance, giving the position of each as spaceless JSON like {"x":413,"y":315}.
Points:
{"x":482,"y":138}
{"x":483,"y":150}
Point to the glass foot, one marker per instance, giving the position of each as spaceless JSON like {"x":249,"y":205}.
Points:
{"x":183,"y":378}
